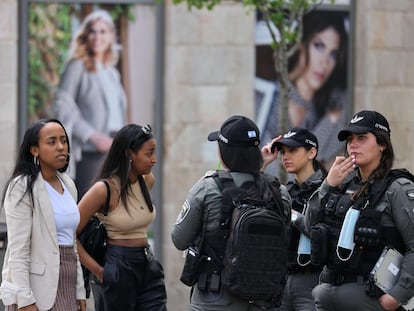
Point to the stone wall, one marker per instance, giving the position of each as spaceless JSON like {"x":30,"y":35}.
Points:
{"x":209,"y":76}
{"x":384,"y":69}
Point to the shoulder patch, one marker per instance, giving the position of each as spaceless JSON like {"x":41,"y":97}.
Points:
{"x":410,"y":194}
{"x":184,"y":212}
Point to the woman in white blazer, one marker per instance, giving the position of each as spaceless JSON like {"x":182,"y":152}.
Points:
{"x":41,"y":268}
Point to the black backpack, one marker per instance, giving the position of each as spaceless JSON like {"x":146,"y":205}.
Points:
{"x":255,"y":259}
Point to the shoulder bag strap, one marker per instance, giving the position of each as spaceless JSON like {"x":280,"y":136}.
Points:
{"x":223,"y":179}
{"x":108,"y":198}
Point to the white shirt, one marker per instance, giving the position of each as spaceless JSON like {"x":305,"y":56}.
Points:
{"x":66,"y":214}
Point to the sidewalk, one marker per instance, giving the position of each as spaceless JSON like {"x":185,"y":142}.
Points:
{"x":90,"y":304}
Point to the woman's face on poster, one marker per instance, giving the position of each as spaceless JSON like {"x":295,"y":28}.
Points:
{"x":322,"y":57}
{"x":100,"y":38}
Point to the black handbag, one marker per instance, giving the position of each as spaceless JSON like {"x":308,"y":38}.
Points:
{"x":94,"y":238}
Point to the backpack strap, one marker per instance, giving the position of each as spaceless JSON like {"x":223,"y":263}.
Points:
{"x":108,"y":197}
{"x":224,"y":179}
{"x":229,"y":192}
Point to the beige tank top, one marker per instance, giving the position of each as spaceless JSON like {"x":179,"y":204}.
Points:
{"x":132,"y":223}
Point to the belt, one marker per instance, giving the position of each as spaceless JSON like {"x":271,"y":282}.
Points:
{"x":337,"y":278}
{"x":294,"y":269}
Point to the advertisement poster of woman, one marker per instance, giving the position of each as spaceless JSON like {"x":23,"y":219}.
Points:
{"x":318,"y":94}
{"x":91,"y":66}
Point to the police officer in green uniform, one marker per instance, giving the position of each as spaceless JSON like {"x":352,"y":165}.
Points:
{"x":343,"y":214}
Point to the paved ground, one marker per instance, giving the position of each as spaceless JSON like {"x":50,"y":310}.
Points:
{"x":90,"y":305}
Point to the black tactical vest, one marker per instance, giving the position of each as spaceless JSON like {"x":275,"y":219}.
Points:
{"x":370,"y":237}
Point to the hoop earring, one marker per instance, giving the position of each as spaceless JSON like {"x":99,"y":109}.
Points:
{"x":36,"y":161}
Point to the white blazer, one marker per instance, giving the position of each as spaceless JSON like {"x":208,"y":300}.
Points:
{"x":32,"y":256}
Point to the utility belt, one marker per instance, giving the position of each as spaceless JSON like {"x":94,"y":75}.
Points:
{"x":209,"y":281}
{"x":209,"y":277}
{"x":308,"y":269}
{"x":337,"y":278}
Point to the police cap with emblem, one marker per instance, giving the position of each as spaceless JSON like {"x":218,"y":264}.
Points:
{"x":237,"y":131}
{"x":363,"y":122}
{"x":296,"y":137}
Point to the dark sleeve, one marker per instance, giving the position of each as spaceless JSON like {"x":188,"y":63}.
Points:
{"x":287,"y":204}
{"x":401,"y":196}
{"x":314,"y":211}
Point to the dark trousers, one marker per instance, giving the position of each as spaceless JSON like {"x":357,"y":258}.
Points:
{"x":132,"y":282}
{"x":297,"y":295}
{"x":345,"y":297}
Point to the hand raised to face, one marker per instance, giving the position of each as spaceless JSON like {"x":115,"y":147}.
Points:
{"x":270,"y":152}
{"x":341,"y":168}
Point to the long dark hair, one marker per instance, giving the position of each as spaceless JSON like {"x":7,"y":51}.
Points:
{"x":241,"y":159}
{"x":249,"y":160}
{"x":313,"y":23}
{"x":315,"y":163}
{"x":385,"y":165}
{"x":25,"y":163}
{"x":129,"y":138}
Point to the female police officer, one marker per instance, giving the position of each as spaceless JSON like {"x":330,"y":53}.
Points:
{"x":239,"y":153}
{"x":383,"y":219}
{"x":298,"y":148}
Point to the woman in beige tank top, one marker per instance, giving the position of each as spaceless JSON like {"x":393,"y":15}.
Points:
{"x":131,"y":278}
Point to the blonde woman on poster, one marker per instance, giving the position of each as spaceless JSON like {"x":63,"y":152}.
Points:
{"x":90,"y":100}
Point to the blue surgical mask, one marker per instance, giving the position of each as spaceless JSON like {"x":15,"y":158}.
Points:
{"x":346,"y":237}
{"x":304,"y":250}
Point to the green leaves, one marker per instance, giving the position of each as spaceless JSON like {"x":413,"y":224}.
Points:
{"x":199,"y":4}
{"x":49,"y":39}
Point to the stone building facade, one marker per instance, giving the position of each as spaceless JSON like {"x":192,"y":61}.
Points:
{"x":208,"y":75}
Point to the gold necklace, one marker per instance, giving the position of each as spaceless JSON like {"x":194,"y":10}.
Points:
{"x":57,"y":185}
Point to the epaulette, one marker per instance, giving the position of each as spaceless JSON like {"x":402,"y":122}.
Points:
{"x":209,"y":174}
{"x":378,"y":189}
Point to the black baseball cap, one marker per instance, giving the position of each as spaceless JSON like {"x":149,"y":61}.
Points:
{"x":237,"y":131}
{"x":296,"y":137}
{"x":363,"y":122}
